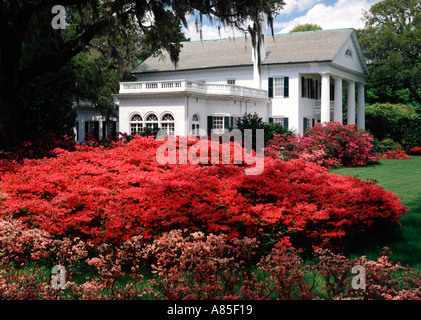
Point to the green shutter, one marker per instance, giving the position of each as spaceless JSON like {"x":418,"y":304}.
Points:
{"x":114,"y":129}
{"x":210,"y":124}
{"x":231,"y":122}
{"x":96,"y":130}
{"x":286,"y":123}
{"x":226,"y":122}
{"x":270,"y":120}
{"x":104,"y":129}
{"x":304,"y":125}
{"x":270,"y":88}
{"x":286,"y":87}
{"x":303,"y":93}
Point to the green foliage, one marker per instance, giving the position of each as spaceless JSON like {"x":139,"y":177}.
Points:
{"x":46,"y":101}
{"x":398,"y":122}
{"x":306,"y":27}
{"x":391,"y":46}
{"x":253,"y":121}
{"x":389,"y":145}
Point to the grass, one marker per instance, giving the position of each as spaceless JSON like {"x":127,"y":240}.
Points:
{"x":402,"y":177}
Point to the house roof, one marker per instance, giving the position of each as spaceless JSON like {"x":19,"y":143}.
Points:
{"x":298,"y":47}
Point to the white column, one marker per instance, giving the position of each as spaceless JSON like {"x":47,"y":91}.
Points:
{"x":325,"y":99}
{"x":338,"y":100}
{"x":351,"y":102}
{"x":100,"y":130}
{"x":361,"y":106}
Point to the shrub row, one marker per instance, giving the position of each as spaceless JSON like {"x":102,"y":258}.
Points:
{"x":187,"y":266}
{"x":108,"y":195}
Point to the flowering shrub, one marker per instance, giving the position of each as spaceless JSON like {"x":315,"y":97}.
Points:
{"x":330,"y":145}
{"x":109,"y":195}
{"x":40,"y":147}
{"x":195,"y":266}
{"x":416,"y":150}
{"x":399,"y":154}
{"x":192,"y":266}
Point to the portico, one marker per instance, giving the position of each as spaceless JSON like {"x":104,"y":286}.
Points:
{"x":334,"y":82}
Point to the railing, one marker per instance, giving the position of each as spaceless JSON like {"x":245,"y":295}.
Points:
{"x":191,"y":86}
{"x":318,"y":105}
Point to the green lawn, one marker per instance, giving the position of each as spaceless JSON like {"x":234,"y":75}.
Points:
{"x":402,"y":177}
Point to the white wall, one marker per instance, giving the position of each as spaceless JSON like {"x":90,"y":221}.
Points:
{"x":174,"y":105}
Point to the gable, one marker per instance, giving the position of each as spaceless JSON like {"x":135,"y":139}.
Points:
{"x":350,"y":56}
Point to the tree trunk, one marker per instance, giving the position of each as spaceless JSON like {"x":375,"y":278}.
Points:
{"x":10,"y":52}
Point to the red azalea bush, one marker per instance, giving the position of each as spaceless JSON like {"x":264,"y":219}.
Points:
{"x":330,"y":145}
{"x":398,"y":154}
{"x":39,"y":147}
{"x":109,"y":195}
{"x":416,"y":150}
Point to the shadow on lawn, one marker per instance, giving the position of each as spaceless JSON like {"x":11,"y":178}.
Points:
{"x":404,"y":242}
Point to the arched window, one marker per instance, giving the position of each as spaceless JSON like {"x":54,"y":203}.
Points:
{"x":167,"y":123}
{"x":152,"y":121}
{"x":136,"y":124}
{"x":195,"y":126}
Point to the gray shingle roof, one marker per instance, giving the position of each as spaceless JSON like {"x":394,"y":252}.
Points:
{"x":297,"y":47}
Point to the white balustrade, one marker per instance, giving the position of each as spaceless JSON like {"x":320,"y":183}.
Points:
{"x":192,"y":86}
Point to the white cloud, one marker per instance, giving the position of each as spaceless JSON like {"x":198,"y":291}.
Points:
{"x":343,"y":14}
{"x":298,"y":5}
{"x":210,"y":32}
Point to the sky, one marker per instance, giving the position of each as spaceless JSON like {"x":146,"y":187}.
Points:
{"x":329,"y":14}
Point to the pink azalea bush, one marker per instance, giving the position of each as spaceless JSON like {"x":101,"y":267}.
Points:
{"x":188,"y":265}
{"x":329,"y":145}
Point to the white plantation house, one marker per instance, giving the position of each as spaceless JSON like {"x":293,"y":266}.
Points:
{"x":215,"y":82}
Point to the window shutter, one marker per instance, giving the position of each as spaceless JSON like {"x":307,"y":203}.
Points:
{"x":270,"y":88}
{"x":96,"y":131}
{"x":226,"y":122}
{"x":114,"y":129}
{"x":105,"y":124}
{"x":86,"y":128}
{"x":317,"y":89}
{"x":286,"y":123}
{"x":332,"y":92}
{"x":231,"y":122}
{"x":304,"y":125}
{"x":286,"y":87}
{"x":314,"y":122}
{"x":308,"y":88}
{"x":270,"y":120}
{"x":210,"y":124}
{"x":303,"y":87}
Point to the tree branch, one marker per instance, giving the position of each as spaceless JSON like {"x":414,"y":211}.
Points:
{"x":71,"y":48}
